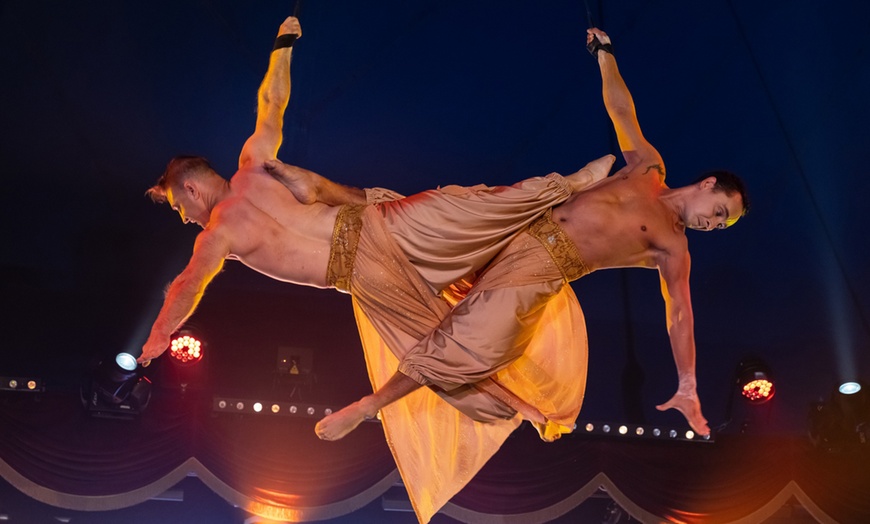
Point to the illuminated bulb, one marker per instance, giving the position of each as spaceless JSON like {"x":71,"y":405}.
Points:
{"x":690,"y":434}
{"x":258,"y":407}
{"x":589,"y":427}
{"x":849,"y":388}
{"x":639,"y":431}
{"x":623,"y":430}
{"x":276,"y":408}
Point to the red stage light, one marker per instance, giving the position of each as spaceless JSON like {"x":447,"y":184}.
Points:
{"x":758,"y":390}
{"x":186,"y":349}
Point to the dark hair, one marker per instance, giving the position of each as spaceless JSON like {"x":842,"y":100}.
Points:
{"x":180,"y":169}
{"x":729,"y":183}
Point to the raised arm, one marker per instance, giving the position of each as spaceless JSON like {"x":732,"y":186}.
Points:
{"x":185,"y":292}
{"x":618,"y":101}
{"x":272,"y":98}
{"x":674,"y":275}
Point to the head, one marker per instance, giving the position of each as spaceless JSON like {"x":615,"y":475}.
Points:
{"x":184,"y":187}
{"x":717,"y":201}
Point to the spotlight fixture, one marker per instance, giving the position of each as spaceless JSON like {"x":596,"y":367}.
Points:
{"x":842,"y":423}
{"x":117,"y":388}
{"x":755,"y":381}
{"x":849,"y":388}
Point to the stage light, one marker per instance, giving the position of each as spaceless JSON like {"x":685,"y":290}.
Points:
{"x":755,"y":381}
{"x":841,"y":424}
{"x":280,"y":408}
{"x":849,"y":388}
{"x":29,"y":384}
{"x":117,"y":388}
{"x":635,"y":431}
{"x":186,"y":348}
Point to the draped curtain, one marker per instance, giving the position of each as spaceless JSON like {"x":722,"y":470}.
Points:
{"x":275,"y":467}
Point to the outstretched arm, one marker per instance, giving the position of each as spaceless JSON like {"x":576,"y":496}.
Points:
{"x":619,"y":104}
{"x":185,"y":292}
{"x":272,"y":99}
{"x":674,"y":276}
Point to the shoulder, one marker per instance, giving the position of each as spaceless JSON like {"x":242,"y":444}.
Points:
{"x":672,"y":255}
{"x":645,"y":162}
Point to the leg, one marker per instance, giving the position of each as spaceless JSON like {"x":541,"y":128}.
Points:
{"x":591,"y":173}
{"x":339,"y":424}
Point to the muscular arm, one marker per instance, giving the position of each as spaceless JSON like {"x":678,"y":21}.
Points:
{"x":185,"y":292}
{"x":272,"y":100}
{"x":674,"y":275}
{"x":620,"y":106}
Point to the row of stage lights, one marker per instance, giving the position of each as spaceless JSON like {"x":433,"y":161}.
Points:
{"x":21,"y":384}
{"x":636,"y":431}
{"x":119,"y":388}
{"x":255,"y":407}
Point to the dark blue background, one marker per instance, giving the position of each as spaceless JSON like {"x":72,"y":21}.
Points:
{"x":97,"y":96}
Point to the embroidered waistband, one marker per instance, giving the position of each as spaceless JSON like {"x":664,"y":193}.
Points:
{"x":345,"y":237}
{"x":561,"y":248}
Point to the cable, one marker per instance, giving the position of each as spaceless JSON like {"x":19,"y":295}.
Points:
{"x":801,"y":173}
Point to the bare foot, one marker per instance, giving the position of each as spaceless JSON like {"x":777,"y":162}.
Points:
{"x":689,"y":405}
{"x":342,"y":422}
{"x":299,"y":181}
{"x":591,"y":173}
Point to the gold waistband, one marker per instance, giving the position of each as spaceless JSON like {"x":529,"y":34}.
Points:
{"x":345,"y":237}
{"x":561,"y":248}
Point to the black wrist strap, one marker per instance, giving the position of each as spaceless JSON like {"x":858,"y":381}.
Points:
{"x":284,"y":41}
{"x":595,"y":45}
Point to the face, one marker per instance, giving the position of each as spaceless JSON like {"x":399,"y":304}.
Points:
{"x":187,"y":204}
{"x":708,"y":209}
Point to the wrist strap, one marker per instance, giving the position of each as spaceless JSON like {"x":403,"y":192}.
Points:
{"x":284,"y":41}
{"x":595,"y":45}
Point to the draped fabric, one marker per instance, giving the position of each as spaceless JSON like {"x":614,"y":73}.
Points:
{"x":277,"y":468}
{"x":437,"y":448}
